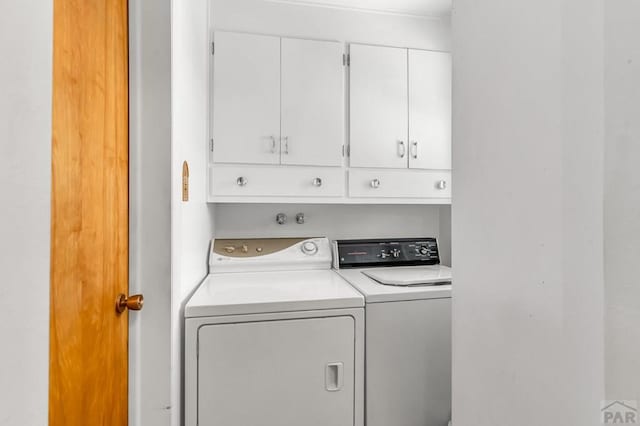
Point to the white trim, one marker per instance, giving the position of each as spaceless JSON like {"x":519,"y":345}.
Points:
{"x":149,"y":212}
{"x":395,"y":12}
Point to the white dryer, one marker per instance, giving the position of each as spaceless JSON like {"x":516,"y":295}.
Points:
{"x":274,"y":337}
{"x":408,"y":328}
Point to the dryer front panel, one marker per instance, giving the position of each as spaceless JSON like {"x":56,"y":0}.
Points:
{"x":285,"y":373}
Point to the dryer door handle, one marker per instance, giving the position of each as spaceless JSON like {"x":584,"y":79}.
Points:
{"x":334,"y":376}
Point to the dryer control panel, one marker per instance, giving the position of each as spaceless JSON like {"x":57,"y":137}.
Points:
{"x":269,"y":254}
{"x":399,"y":252}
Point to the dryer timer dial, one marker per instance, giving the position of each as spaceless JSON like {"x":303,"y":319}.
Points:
{"x":309,"y":248}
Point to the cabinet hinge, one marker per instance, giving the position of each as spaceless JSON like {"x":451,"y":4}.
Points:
{"x":343,"y":150}
{"x":349,"y":60}
{"x":347,"y":149}
{"x":213,"y":48}
{"x":211,"y":144}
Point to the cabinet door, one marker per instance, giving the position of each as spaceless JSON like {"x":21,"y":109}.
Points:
{"x":429,"y":110}
{"x":378,"y":107}
{"x":246,"y":98}
{"x":312,"y":103}
{"x":285,"y":373}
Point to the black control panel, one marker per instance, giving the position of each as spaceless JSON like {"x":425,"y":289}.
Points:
{"x":399,"y":252}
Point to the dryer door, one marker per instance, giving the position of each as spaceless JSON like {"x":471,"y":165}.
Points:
{"x":284,"y":373}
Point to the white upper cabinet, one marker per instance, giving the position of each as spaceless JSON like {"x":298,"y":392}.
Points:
{"x":429,"y":110}
{"x":312,"y":103}
{"x":246,"y":99}
{"x":279,"y":116}
{"x":378,"y":107}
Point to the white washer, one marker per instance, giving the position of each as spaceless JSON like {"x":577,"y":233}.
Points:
{"x":408,"y":328}
{"x":274,"y":337}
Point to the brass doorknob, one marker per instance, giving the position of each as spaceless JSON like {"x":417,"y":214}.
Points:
{"x":133,"y":303}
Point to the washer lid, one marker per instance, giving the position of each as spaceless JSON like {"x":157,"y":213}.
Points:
{"x":374,"y":292}
{"x":268,"y":292}
{"x":411,"y":276}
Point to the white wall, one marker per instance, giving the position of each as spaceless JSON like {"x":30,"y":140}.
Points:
{"x":286,"y":19}
{"x":25,"y":173}
{"x":191,"y":222}
{"x":150,"y":211}
{"x":622,"y":199}
{"x":332,"y":221}
{"x":339,"y":221}
{"x":527,"y":212}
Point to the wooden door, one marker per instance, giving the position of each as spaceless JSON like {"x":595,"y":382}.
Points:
{"x":89,"y":250}
{"x":429,"y":110}
{"x":312,"y":102}
{"x":378,"y":106}
{"x":246,"y":99}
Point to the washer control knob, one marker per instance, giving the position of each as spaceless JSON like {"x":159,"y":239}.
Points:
{"x":229,"y":249}
{"x":309,"y":248}
{"x":395,"y":253}
{"x":424,"y":250}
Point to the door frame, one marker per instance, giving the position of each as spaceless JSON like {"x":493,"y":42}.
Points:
{"x":150,"y":211}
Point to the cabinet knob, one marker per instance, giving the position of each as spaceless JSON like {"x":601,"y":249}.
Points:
{"x":375,"y":183}
{"x":242,"y":181}
{"x":317,"y":182}
{"x":442,"y":184}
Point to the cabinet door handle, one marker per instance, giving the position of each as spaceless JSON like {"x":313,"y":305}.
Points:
{"x":286,"y":145}
{"x":414,"y":150}
{"x":375,"y":183}
{"x":273,"y":144}
{"x":334,"y":376}
{"x":242,"y":181}
{"x":402,"y":150}
{"x":441,"y":185}
{"x":317,"y":182}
